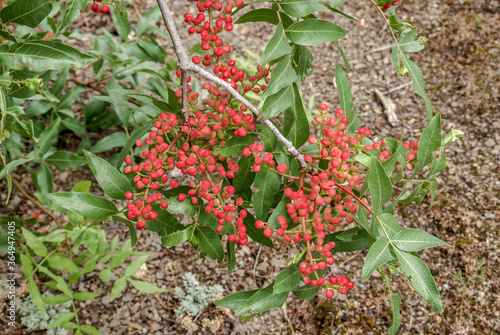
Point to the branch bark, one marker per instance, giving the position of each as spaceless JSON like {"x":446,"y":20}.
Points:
{"x":186,"y":65}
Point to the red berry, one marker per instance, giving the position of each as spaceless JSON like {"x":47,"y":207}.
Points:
{"x":95,"y":7}
{"x":104,"y":9}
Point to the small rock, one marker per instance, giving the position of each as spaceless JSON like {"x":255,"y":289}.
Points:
{"x":104,"y":331}
{"x":263,"y":266}
{"x":106,"y":299}
{"x":490,"y":143}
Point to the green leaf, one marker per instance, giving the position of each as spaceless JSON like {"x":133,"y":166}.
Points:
{"x":415,"y":197}
{"x":146,"y":287}
{"x":164,"y":224}
{"x":63,"y":318}
{"x":88,"y":205}
{"x":256,"y":234}
{"x":300,"y":8}
{"x":152,"y":49}
{"x":44,"y":179}
{"x":296,"y":121}
{"x":345,"y":95}
{"x":359,"y":241}
{"x":136,"y":134}
{"x":236,"y":300}
{"x":235,"y":145}
{"x":26,"y":266}
{"x":209,"y":243}
{"x":452,"y":136}
{"x":63,"y":160}
{"x":118,"y":287}
{"x":42,"y":55}
{"x":396,"y":315}
{"x":259,"y":15}
{"x":379,"y":184}
{"x":287,"y":279}
{"x":278,"y":45}
{"x":71,"y":325}
{"x":313,"y":31}
{"x":81,"y":296}
{"x":280,"y":210}
{"x":418,"y":81}
{"x":185,"y":207}
{"x":112,"y":182}
{"x":177,"y":237}
{"x":89,"y":330}
{"x":135,"y":265}
{"x":282,"y":76}
{"x":35,"y":296}
{"x":278,"y":102}
{"x":361,"y":217}
{"x":302,"y":59}
{"x":26,"y":12}
{"x":34,"y":243}
{"x":71,"y":13}
{"x":148,"y":21}
{"x":56,"y":299}
{"x":268,"y":183}
{"x":415,"y":240}
{"x":122,"y":24}
{"x":429,"y":141}
{"x":130,"y":225}
{"x":263,"y":300}
{"x":268,"y":138}
{"x":61,"y":262}
{"x":48,"y":137}
{"x":409,"y":44}
{"x":378,"y":254}
{"x":421,"y":278}
{"x":105,"y":275}
{"x":245,"y":176}
{"x":389,"y":223}
{"x":306,"y":292}
{"x":109,"y":142}
{"x":341,"y":52}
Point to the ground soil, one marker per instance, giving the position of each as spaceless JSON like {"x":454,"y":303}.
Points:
{"x":460,"y":64}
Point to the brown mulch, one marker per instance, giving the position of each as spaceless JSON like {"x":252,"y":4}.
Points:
{"x":460,"y":64}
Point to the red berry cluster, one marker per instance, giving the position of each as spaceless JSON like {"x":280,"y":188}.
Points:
{"x":324,"y":198}
{"x":319,"y":198}
{"x":389,"y":5}
{"x":103,"y":9}
{"x":195,"y":158}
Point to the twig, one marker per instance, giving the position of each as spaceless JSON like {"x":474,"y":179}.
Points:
{"x":157,"y":296}
{"x":256,"y":260}
{"x":185,"y":65}
{"x":349,"y":259}
{"x":397,"y":88}
{"x":385,"y":47}
{"x":33,"y":200}
{"x":283,"y":308}
{"x":389,"y":108}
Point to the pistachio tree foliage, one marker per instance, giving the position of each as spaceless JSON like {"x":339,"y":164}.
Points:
{"x":223,"y":140}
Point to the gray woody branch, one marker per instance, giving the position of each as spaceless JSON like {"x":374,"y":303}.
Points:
{"x":186,"y":65}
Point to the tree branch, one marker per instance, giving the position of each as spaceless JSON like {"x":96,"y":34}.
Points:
{"x":185,"y":65}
